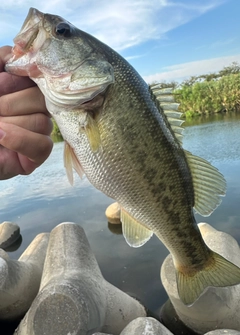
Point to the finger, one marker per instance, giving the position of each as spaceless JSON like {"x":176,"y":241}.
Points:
{"x":5,"y":54}
{"x":8,"y":166}
{"x":36,"y":147}
{"x":23,"y":102}
{"x":10,"y":83}
{"x":38,"y":123}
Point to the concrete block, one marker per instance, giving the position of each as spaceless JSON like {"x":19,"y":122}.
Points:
{"x":216,"y":308}
{"x":145,"y":326}
{"x":20,"y":280}
{"x":223,"y":332}
{"x":113,"y":213}
{"x":9,"y":234}
{"x":74,"y":298}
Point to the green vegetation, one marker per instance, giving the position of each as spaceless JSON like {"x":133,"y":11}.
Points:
{"x":211,"y":93}
{"x":55,"y":130}
{"x":56,"y":134}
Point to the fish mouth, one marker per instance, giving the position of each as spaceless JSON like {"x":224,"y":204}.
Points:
{"x":31,"y":36}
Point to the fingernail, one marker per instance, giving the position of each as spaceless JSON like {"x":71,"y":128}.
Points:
{"x":2,"y":134}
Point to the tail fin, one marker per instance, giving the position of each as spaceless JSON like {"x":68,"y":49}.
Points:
{"x":220,"y":273}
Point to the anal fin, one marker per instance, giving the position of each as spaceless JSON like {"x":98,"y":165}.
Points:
{"x":135,"y":233}
{"x":71,"y":162}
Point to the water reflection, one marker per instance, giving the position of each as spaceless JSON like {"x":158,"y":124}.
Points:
{"x":15,"y":246}
{"x":215,"y":138}
{"x":207,"y":118}
{"x":115,"y":228}
{"x":44,"y":199}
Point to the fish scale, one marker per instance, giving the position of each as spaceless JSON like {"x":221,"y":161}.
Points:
{"x":126,"y":137}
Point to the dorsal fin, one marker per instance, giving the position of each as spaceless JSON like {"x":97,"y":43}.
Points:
{"x":169,"y":106}
{"x":209,"y":184}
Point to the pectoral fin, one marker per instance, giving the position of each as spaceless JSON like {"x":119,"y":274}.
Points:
{"x":71,"y":162}
{"x":92,"y":131}
{"x":135,"y":233}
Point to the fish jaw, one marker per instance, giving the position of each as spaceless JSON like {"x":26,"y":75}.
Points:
{"x":28,"y":41}
{"x":27,"y":34}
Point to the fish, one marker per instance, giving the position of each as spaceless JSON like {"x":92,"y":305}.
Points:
{"x":126,"y":137}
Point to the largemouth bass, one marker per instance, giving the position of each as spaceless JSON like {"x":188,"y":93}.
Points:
{"x":126,"y":138}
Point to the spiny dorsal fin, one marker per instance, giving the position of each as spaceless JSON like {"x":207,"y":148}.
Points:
{"x":135,"y":234}
{"x":169,"y":107}
{"x":209,"y":184}
{"x":71,"y":162}
{"x":158,"y":87}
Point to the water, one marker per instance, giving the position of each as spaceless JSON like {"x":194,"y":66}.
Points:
{"x":217,"y":139}
{"x":42,"y":200}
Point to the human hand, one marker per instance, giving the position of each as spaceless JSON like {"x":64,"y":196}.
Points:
{"x":25,"y":123}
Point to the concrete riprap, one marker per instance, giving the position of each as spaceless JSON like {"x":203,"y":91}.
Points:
{"x":216,"y":308}
{"x":9,"y":233}
{"x":113,"y":213}
{"x":223,"y":332}
{"x":74,"y":298}
{"x":20,"y":280}
{"x":145,"y":326}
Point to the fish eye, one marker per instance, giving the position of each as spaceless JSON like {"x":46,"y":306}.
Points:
{"x":63,"y":29}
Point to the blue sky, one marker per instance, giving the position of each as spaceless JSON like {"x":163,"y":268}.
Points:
{"x":165,"y":40}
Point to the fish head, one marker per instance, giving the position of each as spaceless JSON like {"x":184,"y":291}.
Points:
{"x":60,"y":58}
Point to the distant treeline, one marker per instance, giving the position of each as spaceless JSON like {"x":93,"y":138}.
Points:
{"x":205,"y":94}
{"x":209,"y":93}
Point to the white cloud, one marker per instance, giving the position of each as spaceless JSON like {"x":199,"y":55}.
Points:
{"x":180,"y":72}
{"x":119,"y":23}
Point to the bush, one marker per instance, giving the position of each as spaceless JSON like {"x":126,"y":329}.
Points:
{"x":221,"y":95}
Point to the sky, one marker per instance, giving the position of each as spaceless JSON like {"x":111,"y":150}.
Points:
{"x":165,"y":40}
